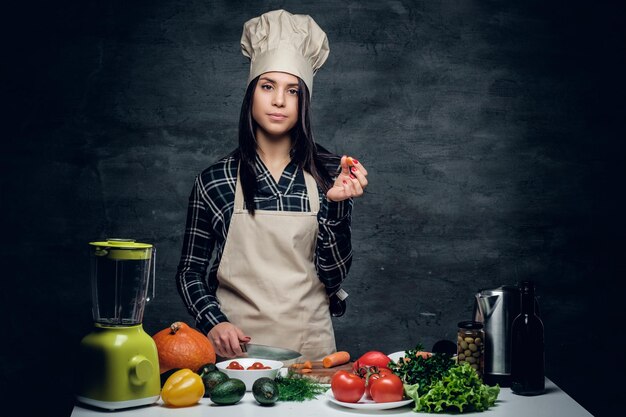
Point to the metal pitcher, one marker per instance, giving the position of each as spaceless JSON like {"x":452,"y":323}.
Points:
{"x":496,"y":309}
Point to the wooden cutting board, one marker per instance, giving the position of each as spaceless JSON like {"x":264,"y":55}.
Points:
{"x":321,"y":374}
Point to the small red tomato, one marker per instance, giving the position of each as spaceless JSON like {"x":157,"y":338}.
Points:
{"x":347,"y":387}
{"x":256,"y":365}
{"x":234,"y":365}
{"x":387,"y":388}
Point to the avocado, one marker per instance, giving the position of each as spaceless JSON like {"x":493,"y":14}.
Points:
{"x":265,"y":391}
{"x":228,"y":392}
{"x":211,"y":380}
{"x":206,"y":368}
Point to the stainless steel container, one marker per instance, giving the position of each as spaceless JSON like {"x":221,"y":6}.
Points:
{"x":496,"y":309}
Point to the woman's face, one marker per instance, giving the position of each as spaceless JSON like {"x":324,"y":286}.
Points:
{"x":275,"y":103}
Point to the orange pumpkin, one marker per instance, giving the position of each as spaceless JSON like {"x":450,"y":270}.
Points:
{"x":180,"y":346}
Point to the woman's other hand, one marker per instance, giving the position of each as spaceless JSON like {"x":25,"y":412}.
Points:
{"x":227,"y":339}
{"x":350,"y":182}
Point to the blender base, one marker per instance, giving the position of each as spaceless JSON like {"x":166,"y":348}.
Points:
{"x":116,"y":405}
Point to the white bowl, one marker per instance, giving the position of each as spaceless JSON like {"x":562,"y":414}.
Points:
{"x":249,"y":376}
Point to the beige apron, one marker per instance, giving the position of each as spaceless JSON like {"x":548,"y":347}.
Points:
{"x":268,"y":285}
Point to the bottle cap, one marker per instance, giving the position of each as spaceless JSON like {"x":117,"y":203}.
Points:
{"x":527,"y":286}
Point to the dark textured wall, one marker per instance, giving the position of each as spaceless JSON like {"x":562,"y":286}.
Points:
{"x":492,"y":131}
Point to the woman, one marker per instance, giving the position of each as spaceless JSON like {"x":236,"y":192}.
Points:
{"x":276,"y":211}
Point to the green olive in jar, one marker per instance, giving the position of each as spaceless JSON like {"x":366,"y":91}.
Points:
{"x":470,"y":346}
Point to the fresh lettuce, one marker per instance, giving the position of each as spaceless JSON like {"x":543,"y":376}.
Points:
{"x":459,"y":388}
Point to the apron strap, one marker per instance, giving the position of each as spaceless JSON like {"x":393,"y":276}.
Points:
{"x":311,"y":190}
{"x":238,"y":208}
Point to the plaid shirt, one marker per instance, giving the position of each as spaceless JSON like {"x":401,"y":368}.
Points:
{"x":208,"y":217}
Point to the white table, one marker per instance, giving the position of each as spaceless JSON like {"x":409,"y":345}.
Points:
{"x":555,"y":402}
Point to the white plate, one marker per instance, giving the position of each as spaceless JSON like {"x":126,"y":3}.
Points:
{"x":402,"y":354}
{"x":397,"y":355}
{"x":365,"y":404}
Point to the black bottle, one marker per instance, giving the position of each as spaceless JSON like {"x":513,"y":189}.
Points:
{"x":527,"y":347}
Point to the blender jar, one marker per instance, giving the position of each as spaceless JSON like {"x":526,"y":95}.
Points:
{"x":120,"y":273}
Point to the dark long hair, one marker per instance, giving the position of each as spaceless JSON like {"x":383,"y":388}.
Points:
{"x":305,"y":152}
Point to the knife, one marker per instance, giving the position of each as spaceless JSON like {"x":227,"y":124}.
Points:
{"x":268,"y":352}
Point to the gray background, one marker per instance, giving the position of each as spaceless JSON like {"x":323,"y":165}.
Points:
{"x":492,"y":131}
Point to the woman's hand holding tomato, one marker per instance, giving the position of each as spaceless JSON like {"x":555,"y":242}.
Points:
{"x":350,"y":182}
{"x":347,"y":387}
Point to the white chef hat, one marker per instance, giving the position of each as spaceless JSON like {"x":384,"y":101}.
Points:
{"x":284,"y":42}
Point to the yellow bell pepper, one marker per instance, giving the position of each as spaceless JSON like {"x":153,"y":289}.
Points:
{"x":182,"y":388}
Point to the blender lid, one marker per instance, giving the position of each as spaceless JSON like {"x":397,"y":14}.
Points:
{"x":121,"y":244}
{"x":122,"y":249}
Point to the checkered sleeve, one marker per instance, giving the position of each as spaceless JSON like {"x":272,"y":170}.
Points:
{"x":334,"y":247}
{"x":198,"y":244}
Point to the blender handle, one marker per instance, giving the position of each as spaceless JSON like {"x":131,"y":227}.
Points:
{"x":153,"y":265}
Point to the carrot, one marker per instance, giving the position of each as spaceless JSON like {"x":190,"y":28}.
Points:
{"x":305,"y":365}
{"x":306,"y":371}
{"x":423,"y":354}
{"x":335,"y":359}
{"x":350,"y":161}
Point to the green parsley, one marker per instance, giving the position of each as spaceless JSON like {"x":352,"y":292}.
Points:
{"x":414,"y":369}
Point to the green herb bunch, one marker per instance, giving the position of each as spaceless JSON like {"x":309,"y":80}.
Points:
{"x":294,"y":387}
{"x":414,"y":369}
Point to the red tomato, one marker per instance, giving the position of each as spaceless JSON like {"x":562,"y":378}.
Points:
{"x":387,"y":388}
{"x":234,"y":365}
{"x":347,"y":387}
{"x":377,"y":373}
{"x":372,"y":358}
{"x":368,"y":385}
{"x":256,"y":365}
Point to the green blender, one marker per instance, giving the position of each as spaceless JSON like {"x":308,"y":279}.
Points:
{"x":119,"y":363}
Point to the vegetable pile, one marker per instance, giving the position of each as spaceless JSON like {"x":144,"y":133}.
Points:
{"x":438,"y":384}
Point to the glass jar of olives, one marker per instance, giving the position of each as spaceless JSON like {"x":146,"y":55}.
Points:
{"x":471,"y":345}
